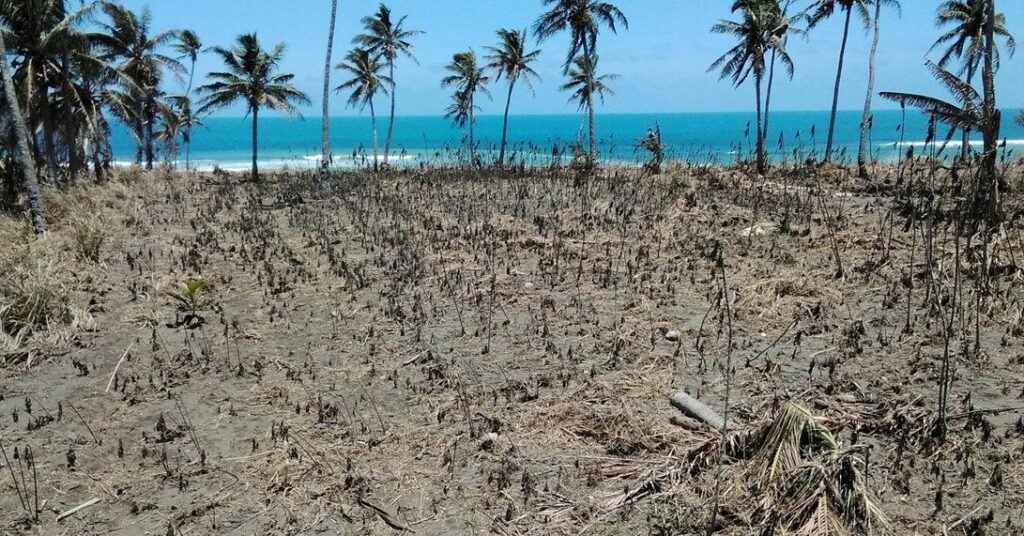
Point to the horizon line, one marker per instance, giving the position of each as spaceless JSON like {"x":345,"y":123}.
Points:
{"x":568,"y":114}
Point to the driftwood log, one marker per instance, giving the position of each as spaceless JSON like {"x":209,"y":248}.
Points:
{"x":691,"y":407}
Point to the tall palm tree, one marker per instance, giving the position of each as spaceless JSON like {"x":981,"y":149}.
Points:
{"x":585,"y":84}
{"x":468,"y":78}
{"x":763,"y":28}
{"x":28,"y":167}
{"x":991,"y":115}
{"x":386,"y":39}
{"x":366,"y":81}
{"x":778,"y":25}
{"x":821,"y":10}
{"x":583,"y":19}
{"x":965,"y":41}
{"x":127,"y":39}
{"x":189,"y":46}
{"x":511,"y":60}
{"x":325,"y":129}
{"x":252,"y":78}
{"x":865,"y":121}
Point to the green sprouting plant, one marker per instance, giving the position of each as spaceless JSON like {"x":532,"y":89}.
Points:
{"x":189,"y":296}
{"x":655,"y":148}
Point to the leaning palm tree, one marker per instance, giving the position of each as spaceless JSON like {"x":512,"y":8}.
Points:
{"x":127,"y":39}
{"x":761,"y":30}
{"x":251,"y":77}
{"x":468,"y":78}
{"x":583,"y":19}
{"x":819,"y":11}
{"x":325,"y":132}
{"x":511,"y":60}
{"x":28,"y":167}
{"x":585,"y":84}
{"x":188,"y":46}
{"x":367,"y":80}
{"x":965,"y":41}
{"x":865,"y":121}
{"x":967,"y":113}
{"x":386,"y":39}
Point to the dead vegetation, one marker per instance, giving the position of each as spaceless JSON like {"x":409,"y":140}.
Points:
{"x":469,"y":351}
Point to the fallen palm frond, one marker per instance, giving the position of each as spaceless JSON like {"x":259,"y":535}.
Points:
{"x":798,"y":478}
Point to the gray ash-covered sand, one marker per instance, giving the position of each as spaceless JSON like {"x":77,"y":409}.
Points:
{"x":450,"y":352}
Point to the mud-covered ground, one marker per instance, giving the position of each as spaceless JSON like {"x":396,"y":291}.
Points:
{"x":449,"y":352}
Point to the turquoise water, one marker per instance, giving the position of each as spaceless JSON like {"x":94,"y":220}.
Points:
{"x":698,"y":137}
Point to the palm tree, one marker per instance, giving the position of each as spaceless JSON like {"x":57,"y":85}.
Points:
{"x":189,"y":45}
{"x":127,"y":38}
{"x":967,"y":114}
{"x":511,"y":60}
{"x":585,"y":84}
{"x":367,"y":80}
{"x":583,"y":19}
{"x":386,"y":39}
{"x":468,"y":78}
{"x":174,"y":112}
{"x":865,"y":121}
{"x":28,"y":167}
{"x":966,"y":41}
{"x":325,"y":129}
{"x":991,"y":116}
{"x":460,"y":111}
{"x":44,"y":38}
{"x":763,"y":28}
{"x":251,"y":77}
{"x":821,"y":10}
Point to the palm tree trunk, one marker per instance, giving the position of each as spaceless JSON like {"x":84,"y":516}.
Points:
{"x":965,"y":144}
{"x":472,"y":147}
{"x":97,"y":167}
{"x":991,"y":120}
{"x":592,"y":122}
{"x":835,"y":92}
{"x":760,"y":126}
{"x":373,"y":125}
{"x":28,"y":169}
{"x":255,"y":142}
{"x":325,"y":132}
{"x":865,"y":120}
{"x":49,"y":146}
{"x":391,"y":119}
{"x":149,"y":118}
{"x":188,"y":127}
{"x":768,"y":105}
{"x":504,"y":124}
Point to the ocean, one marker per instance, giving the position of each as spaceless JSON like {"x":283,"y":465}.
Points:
{"x":225,"y":142}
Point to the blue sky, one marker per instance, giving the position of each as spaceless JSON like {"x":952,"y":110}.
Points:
{"x":662,"y":59}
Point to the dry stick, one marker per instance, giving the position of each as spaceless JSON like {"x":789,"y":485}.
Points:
{"x":728,"y":387}
{"x":35,"y":481}
{"x":73,"y":408}
{"x":118,"y":366}
{"x":383,"y":514}
{"x":17,"y":486}
{"x":74,"y":510}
